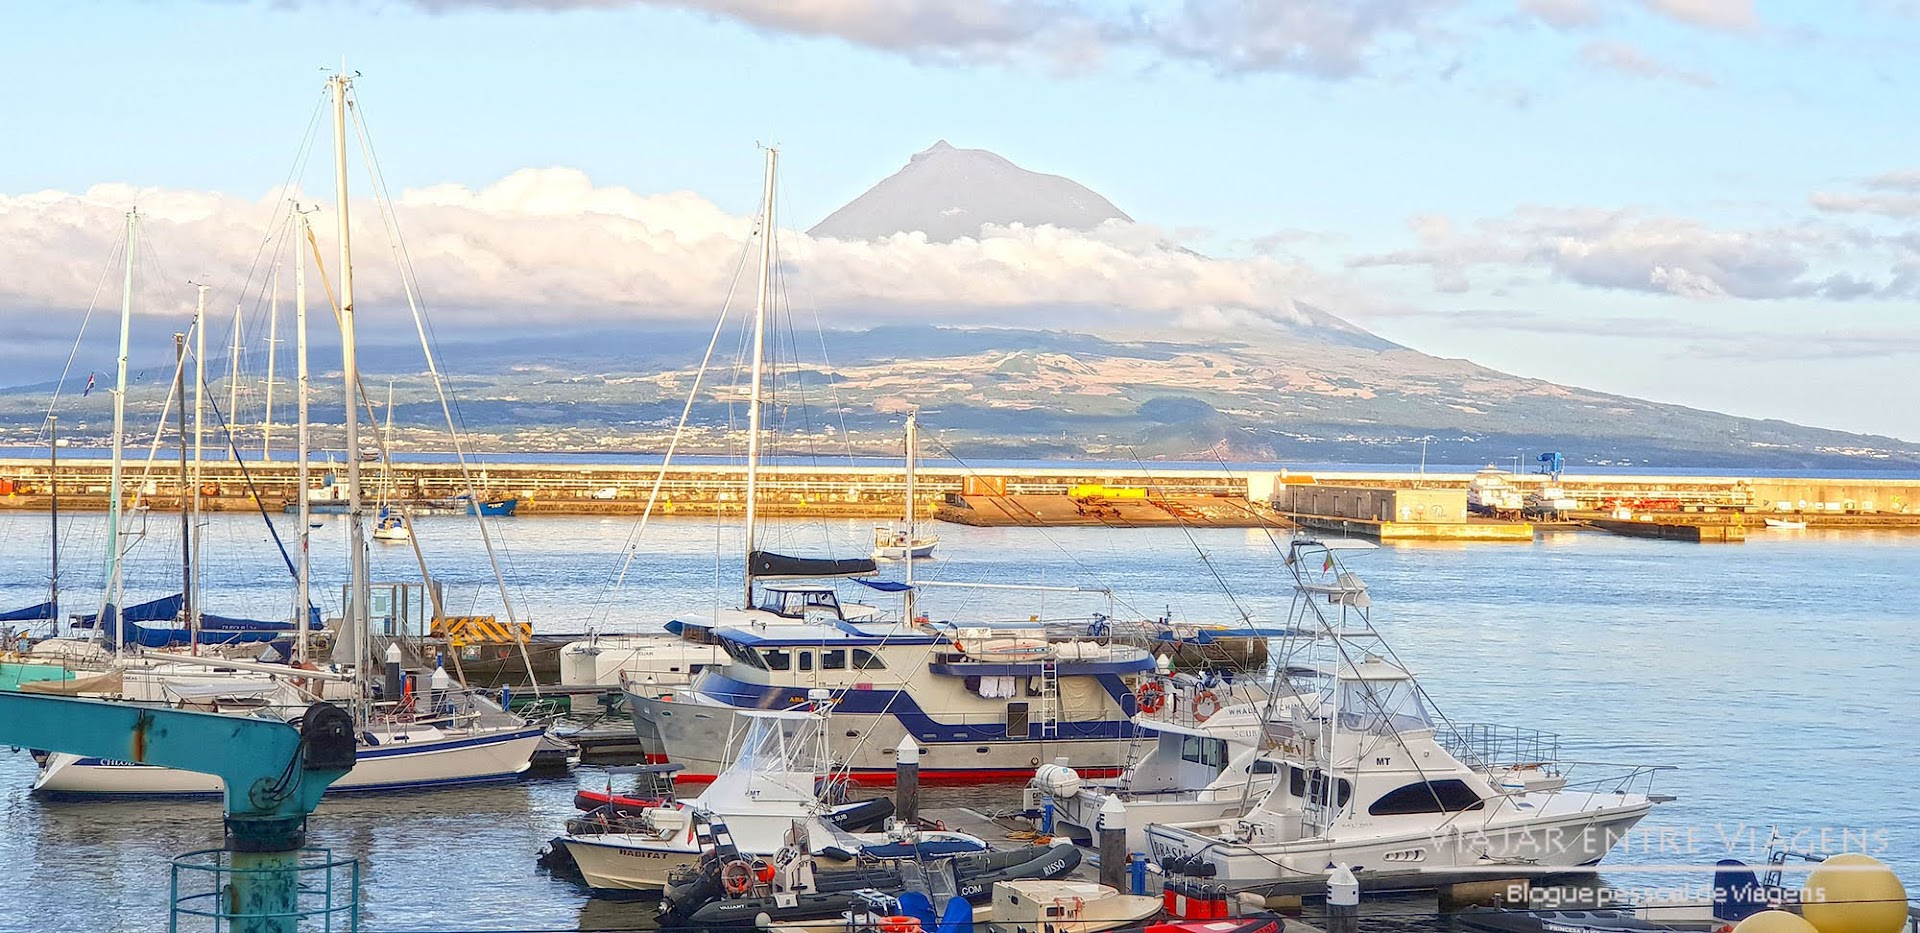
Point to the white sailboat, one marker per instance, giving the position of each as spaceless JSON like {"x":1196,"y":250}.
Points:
{"x":904,"y":541}
{"x":389,"y":525}
{"x":443,"y":736}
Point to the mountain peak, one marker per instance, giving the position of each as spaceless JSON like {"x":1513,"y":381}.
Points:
{"x":949,"y":193}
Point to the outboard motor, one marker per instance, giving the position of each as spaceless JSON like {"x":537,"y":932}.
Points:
{"x":1737,"y":894}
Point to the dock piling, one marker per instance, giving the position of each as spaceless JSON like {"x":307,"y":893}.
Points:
{"x":906,"y":779}
{"x":1113,"y":844}
{"x":1343,"y":901}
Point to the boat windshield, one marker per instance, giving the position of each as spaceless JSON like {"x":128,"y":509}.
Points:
{"x":1382,"y":707}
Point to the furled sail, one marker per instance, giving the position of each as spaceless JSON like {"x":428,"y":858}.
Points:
{"x":766,"y":564}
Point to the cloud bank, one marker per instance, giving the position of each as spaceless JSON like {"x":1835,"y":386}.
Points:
{"x":1635,"y":251}
{"x":545,"y":247}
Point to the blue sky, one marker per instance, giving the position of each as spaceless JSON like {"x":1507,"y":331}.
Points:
{"x":1696,"y":201}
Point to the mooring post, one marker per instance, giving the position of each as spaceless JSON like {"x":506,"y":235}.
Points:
{"x":1343,"y":901}
{"x":906,"y":779}
{"x":1113,"y":844}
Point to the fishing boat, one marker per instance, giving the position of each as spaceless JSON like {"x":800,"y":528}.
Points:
{"x":905,"y":540}
{"x":1784,"y":524}
{"x":771,"y":783}
{"x":1374,"y":781}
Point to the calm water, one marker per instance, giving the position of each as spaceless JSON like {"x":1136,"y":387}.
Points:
{"x":1778,"y":676}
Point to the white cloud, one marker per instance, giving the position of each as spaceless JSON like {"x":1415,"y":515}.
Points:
{"x":547,"y":246}
{"x":1323,"y":38}
{"x":1624,"y":58}
{"x":1723,"y":15}
{"x":1633,"y":251}
{"x":1564,"y":14}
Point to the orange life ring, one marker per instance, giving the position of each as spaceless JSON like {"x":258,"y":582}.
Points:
{"x":1205,"y":705}
{"x":736,"y":876}
{"x":899,"y":925}
{"x":1152,"y":696}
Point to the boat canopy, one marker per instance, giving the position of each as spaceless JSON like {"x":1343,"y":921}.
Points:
{"x":41,"y":613}
{"x":214,"y":629}
{"x":763,"y":564}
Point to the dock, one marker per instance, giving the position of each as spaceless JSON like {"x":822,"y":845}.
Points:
{"x":1222,"y":510}
{"x":1474,"y":530}
{"x":1716,"y":531}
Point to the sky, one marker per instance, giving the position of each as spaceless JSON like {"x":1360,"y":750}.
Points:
{"x":1708,"y":202}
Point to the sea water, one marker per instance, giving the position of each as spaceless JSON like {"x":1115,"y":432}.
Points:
{"x":1776,"y":676}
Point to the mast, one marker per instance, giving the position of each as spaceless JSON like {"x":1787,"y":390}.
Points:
{"x":350,"y":376}
{"x":302,"y":591}
{"x":186,"y":520}
{"x":233,"y":373}
{"x":53,"y":518}
{"x":760,"y":302}
{"x":116,"y":480}
{"x":273,"y":350}
{"x":199,"y":450}
{"x":913,"y":442}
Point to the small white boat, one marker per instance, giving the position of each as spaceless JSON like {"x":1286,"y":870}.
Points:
{"x":392,"y":526}
{"x":892,"y":543}
{"x":1785,"y":525}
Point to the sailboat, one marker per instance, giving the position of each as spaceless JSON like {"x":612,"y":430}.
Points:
{"x":390,"y":525}
{"x":903,"y":541}
{"x":438,"y":736}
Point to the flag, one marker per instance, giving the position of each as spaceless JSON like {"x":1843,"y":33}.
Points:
{"x":1329,"y":564}
{"x":89,"y":388}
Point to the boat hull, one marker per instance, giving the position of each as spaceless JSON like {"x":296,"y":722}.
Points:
{"x":453,"y":760}
{"x":1403,"y":860}
{"x":694,"y":734}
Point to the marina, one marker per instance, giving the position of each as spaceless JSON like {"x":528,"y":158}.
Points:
{"x":402,"y":674}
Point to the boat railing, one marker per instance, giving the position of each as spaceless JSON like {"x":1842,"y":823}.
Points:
{"x":1485,"y":746}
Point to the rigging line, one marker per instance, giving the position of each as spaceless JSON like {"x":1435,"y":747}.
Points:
{"x":819,"y":329}
{"x":634,"y":537}
{"x":106,"y":268}
{"x":1070,"y":555}
{"x":1205,"y":558}
{"x":300,"y":156}
{"x":233,"y":446}
{"x":409,"y":284}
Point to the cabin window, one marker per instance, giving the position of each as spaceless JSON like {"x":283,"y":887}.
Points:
{"x":1263,"y":766}
{"x":1204,"y":751}
{"x":1444,"y":796}
{"x":806,"y":660}
{"x":864,"y":660}
{"x":1312,"y":786}
{"x":833,"y":660}
{"x":1017,"y":727}
{"x":743,"y":654}
{"x":778,"y":659}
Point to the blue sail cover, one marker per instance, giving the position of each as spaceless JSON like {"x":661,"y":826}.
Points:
{"x":41,"y":613}
{"x":214,"y":629}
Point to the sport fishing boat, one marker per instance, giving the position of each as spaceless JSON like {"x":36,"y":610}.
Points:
{"x":769,"y":786}
{"x":1489,"y":493}
{"x":1373,"y":781}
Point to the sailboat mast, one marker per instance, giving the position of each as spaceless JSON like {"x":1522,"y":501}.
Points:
{"x":273,"y":350}
{"x":913,"y":442}
{"x":116,"y":478}
{"x":186,"y":520}
{"x":199,"y":449}
{"x":302,"y":591}
{"x":760,"y":302}
{"x":53,"y":518}
{"x":350,"y":376}
{"x":233,"y":373}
